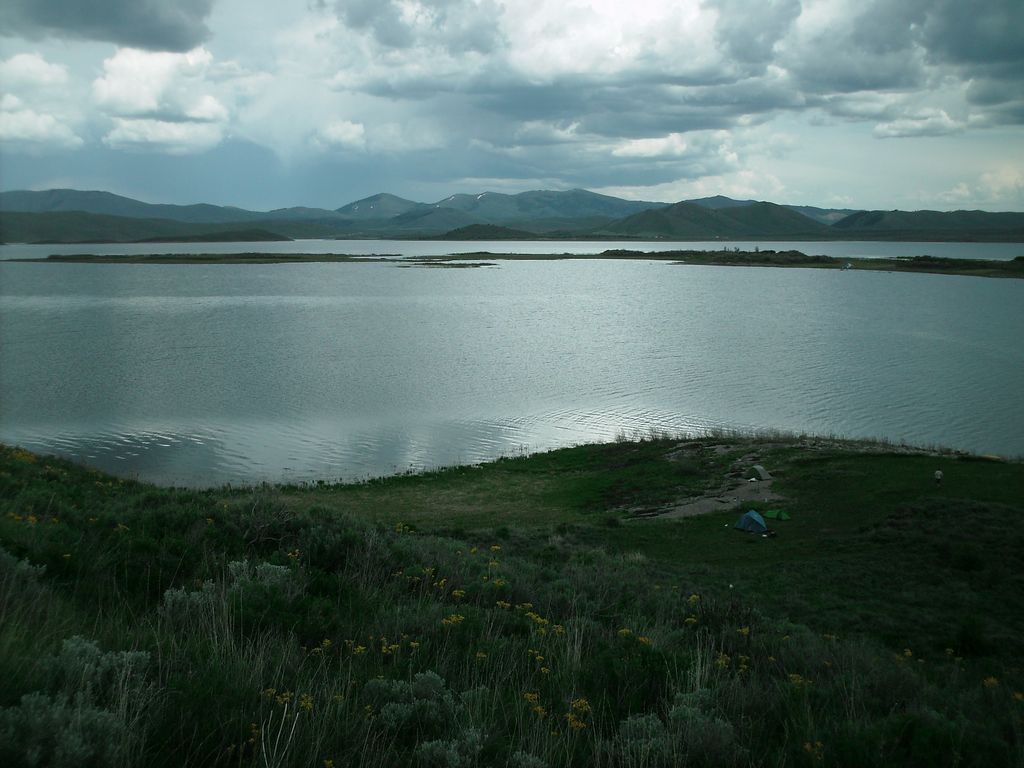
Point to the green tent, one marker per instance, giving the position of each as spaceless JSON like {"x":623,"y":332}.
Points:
{"x":776,"y":514}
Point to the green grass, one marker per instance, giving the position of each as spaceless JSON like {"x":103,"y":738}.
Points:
{"x":517,"y":614}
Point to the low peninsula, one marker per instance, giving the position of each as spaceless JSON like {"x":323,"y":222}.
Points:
{"x":724,"y":257}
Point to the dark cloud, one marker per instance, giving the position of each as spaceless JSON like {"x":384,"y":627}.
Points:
{"x":151,"y":24}
{"x":975,"y":33}
{"x":457,"y":26}
{"x":749,"y":35}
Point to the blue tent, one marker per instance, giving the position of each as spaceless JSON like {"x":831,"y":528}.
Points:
{"x":752,"y":522}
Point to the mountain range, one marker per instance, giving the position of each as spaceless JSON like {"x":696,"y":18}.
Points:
{"x":67,"y":215}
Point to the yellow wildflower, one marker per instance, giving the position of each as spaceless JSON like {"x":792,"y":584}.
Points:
{"x":643,"y":640}
{"x":745,"y":631}
{"x":624,"y":632}
{"x":306,"y":702}
{"x":990,"y":682}
{"x":495,"y":548}
{"x":458,"y":594}
{"x":480,"y":656}
{"x":580,"y":705}
{"x":574,"y":722}
{"x":531,"y":697}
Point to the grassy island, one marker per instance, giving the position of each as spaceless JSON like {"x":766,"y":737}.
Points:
{"x":591,"y":606}
{"x":730,"y":258}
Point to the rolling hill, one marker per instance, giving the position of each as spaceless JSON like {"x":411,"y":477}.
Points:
{"x":932,"y":225}
{"x":380,"y":206}
{"x":689,"y":221}
{"x":499,"y":208}
{"x":66,"y":215}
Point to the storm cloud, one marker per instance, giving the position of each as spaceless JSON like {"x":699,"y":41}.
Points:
{"x":151,"y":24}
{"x":656,"y":99}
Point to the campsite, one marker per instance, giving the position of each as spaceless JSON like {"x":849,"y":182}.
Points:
{"x":536,"y":610}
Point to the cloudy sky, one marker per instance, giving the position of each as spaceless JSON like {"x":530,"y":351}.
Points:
{"x":267,"y":103}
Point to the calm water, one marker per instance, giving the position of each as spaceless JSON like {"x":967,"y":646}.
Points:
{"x":202,"y":375}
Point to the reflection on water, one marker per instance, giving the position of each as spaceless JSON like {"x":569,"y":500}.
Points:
{"x":202,"y":375}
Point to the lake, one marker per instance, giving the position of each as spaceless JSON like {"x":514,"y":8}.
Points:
{"x":211,"y":374}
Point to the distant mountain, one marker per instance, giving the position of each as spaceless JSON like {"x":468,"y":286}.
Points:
{"x":106,"y":203}
{"x":382,"y":206}
{"x":487,"y":232}
{"x":300,"y":213}
{"x":827,"y":216}
{"x":932,"y":225}
{"x":821,"y":215}
{"x":67,"y":215}
{"x":683,"y":221}
{"x":80,"y":227}
{"x":771,"y":220}
{"x":499,"y":208}
{"x":717,"y":202}
{"x":690,"y":221}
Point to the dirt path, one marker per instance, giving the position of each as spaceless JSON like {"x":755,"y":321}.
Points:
{"x":747,"y":481}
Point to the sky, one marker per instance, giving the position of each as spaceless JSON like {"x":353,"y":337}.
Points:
{"x":875,"y":104}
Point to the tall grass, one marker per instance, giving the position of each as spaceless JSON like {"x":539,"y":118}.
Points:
{"x":168,"y":627}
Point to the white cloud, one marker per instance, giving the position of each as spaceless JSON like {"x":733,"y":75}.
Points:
{"x":26,"y":126}
{"x":177,"y":138}
{"x":161,"y":101}
{"x":342,"y":133}
{"x":673,"y":145}
{"x":32,"y":112}
{"x":741,"y":185}
{"x":929,"y":122}
{"x":142,"y":83}
{"x":31,"y":70}
{"x":1001,"y":188}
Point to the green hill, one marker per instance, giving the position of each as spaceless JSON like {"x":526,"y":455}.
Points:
{"x":933,"y":225}
{"x":487,"y":232}
{"x":499,"y":208}
{"x":689,"y":221}
{"x":78,"y":227}
{"x":771,"y":220}
{"x":106,"y":203}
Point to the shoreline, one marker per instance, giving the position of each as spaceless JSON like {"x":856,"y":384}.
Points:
{"x":1013,"y":268}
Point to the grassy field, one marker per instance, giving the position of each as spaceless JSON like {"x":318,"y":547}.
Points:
{"x":529,"y":612}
